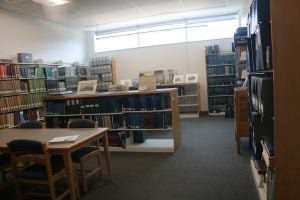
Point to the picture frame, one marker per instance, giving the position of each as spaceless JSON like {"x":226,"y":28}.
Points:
{"x":87,"y":87}
{"x":191,"y":78}
{"x":178,"y":79}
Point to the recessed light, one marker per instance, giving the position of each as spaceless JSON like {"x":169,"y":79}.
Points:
{"x":51,"y":3}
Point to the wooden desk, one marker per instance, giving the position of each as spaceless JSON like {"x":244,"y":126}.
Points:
{"x":86,"y":135}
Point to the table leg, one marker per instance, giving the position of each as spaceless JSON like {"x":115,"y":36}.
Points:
{"x":107,"y":155}
{"x":69,"y":169}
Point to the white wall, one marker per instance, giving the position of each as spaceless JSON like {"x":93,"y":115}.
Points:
{"x":185,"y":57}
{"x":44,"y":40}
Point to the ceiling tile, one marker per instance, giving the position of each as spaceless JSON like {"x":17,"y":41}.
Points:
{"x":98,"y":6}
{"x":146,"y":2}
{"x":29,"y":6}
{"x":163,"y":7}
{"x":14,"y":2}
{"x":197,"y":4}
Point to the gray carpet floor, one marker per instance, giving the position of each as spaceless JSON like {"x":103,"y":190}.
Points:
{"x":205,"y":167}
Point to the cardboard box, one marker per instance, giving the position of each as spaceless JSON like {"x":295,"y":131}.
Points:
{"x":24,"y":58}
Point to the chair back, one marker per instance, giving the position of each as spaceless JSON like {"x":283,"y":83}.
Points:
{"x":31,"y":124}
{"x":29,"y":151}
{"x":83,"y":123}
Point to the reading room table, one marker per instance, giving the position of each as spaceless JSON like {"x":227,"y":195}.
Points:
{"x":86,"y":136}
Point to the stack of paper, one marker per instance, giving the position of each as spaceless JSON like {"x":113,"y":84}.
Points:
{"x":64,"y":139}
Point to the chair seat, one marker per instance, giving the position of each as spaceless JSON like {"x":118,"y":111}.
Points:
{"x":82,"y":152}
{"x":4,"y":158}
{"x":37,"y":171}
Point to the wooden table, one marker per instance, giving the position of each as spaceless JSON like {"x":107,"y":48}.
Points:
{"x":86,"y":135}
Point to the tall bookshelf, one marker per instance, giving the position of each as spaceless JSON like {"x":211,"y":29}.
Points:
{"x":261,"y":99}
{"x":283,"y":173}
{"x":22,"y":88}
{"x":126,"y":114}
{"x":221,"y":78}
{"x":103,"y":69}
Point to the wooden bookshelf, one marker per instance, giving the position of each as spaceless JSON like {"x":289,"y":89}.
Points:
{"x":241,"y":115}
{"x":286,"y":97}
{"x":103,"y":69}
{"x":22,"y":87}
{"x":123,"y":112}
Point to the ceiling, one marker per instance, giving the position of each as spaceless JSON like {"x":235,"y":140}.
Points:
{"x":88,"y":14}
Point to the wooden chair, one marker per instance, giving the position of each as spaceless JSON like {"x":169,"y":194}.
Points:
{"x":32,"y":124}
{"x":5,"y":167}
{"x":43,"y":170}
{"x":81,"y":156}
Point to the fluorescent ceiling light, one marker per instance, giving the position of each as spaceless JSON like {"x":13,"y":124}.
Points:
{"x":51,"y":3}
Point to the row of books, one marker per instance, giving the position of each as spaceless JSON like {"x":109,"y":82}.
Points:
{"x":109,"y":121}
{"x":104,"y":77}
{"x":261,"y":93}
{"x":13,"y":119}
{"x":16,"y":102}
{"x":221,"y":70}
{"x":109,"y":104}
{"x":31,"y":114}
{"x":101,"y":61}
{"x":81,"y":70}
{"x":213,"y":49}
{"x":100,"y":69}
{"x":50,"y":72}
{"x":72,"y":82}
{"x":103,"y":85}
{"x":93,"y":105}
{"x":9,"y":120}
{"x":146,"y":120}
{"x":33,"y":85}
{"x":146,"y":102}
{"x":8,"y":71}
{"x":31,"y":72}
{"x":220,"y":81}
{"x":66,"y":71}
{"x":10,"y":87}
{"x":51,"y":85}
{"x":220,"y":59}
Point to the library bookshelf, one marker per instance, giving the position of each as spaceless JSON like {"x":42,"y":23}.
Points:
{"x":221,"y":79}
{"x":126,"y":114}
{"x":103,"y":69}
{"x":22,"y":86}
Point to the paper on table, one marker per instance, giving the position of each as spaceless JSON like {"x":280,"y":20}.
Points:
{"x":64,"y":139}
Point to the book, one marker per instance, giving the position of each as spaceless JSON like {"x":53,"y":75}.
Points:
{"x":64,"y":139}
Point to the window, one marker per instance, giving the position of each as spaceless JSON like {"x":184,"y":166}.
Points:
{"x":116,"y":41}
{"x":187,"y":30}
{"x":163,"y":34}
{"x":211,"y":29}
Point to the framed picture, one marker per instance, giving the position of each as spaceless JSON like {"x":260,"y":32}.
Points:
{"x":169,"y":75}
{"x":178,"y":79}
{"x":87,"y":87}
{"x":191,"y":78}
